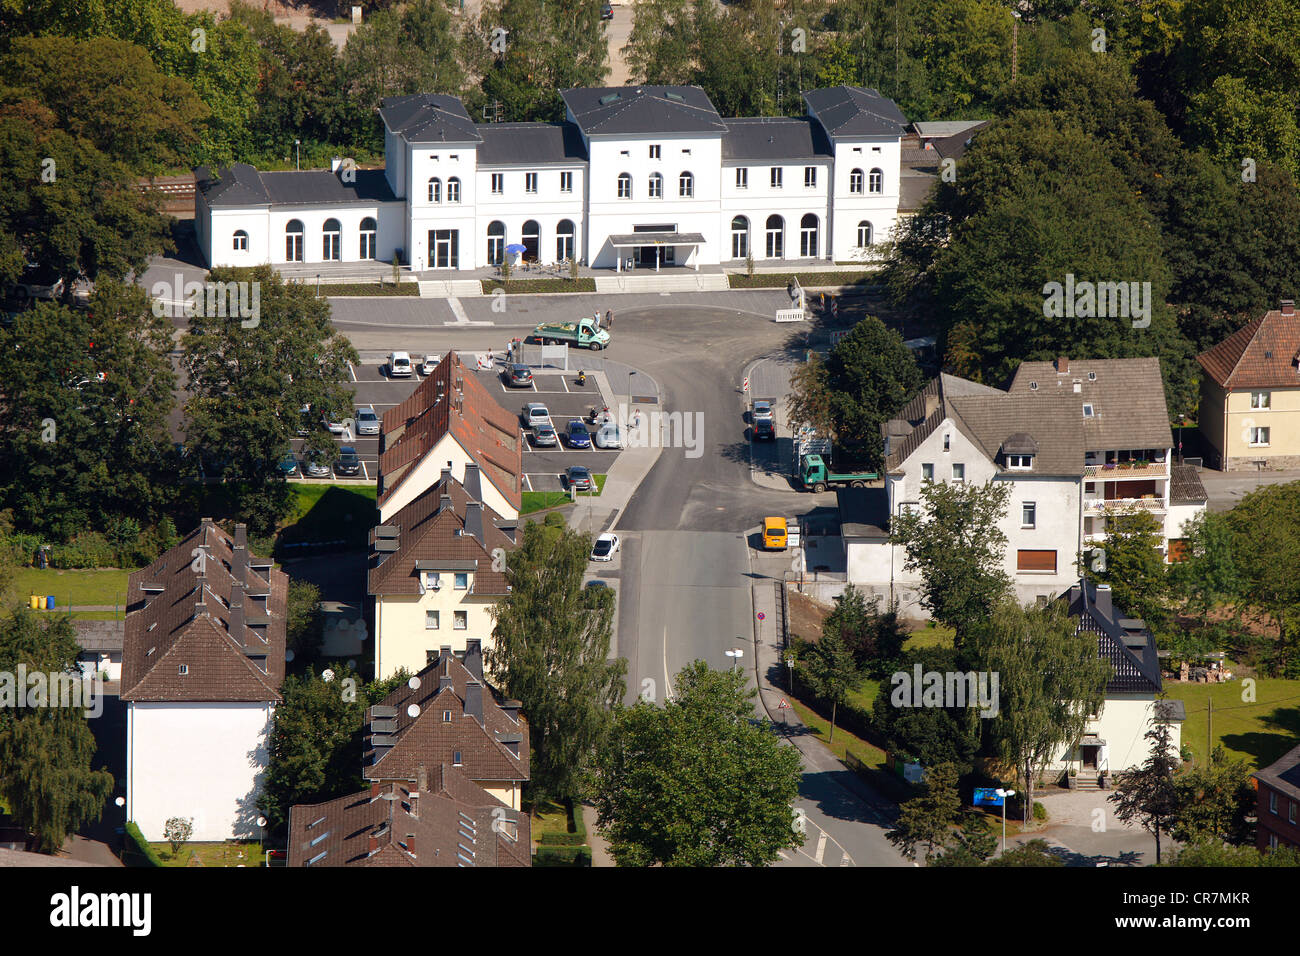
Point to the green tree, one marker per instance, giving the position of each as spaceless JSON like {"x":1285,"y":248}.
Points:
{"x":1133,"y":567}
{"x":1207,"y":575}
{"x":1214,"y":853}
{"x":248,"y":384}
{"x":1049,"y":680}
{"x":46,"y":780}
{"x":954,"y":543}
{"x":874,"y":638}
{"x":828,"y":668}
{"x":928,"y":818}
{"x":662,"y":45}
{"x":1032,"y":853}
{"x":1214,"y":801}
{"x":550,"y":650}
{"x":1149,"y":794}
{"x":304,"y":620}
{"x":696,"y":782}
{"x":931,"y":735}
{"x":1266,"y":547}
{"x":965,"y":48}
{"x":972,"y":844}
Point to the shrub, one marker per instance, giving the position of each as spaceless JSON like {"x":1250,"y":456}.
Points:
{"x":1040,"y":811}
{"x":562,"y":856}
{"x":139,"y":848}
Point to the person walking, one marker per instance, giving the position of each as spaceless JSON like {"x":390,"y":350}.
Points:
{"x":609,"y":318}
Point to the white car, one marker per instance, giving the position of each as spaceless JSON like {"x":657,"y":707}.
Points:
{"x":335,"y":428}
{"x":605,"y":548}
{"x":536,"y":413}
{"x":399,"y":365}
{"x":608,"y":436}
{"x":429,"y":364}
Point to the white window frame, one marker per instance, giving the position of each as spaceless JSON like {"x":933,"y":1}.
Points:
{"x":624,"y":180}
{"x":453,"y":189}
{"x":1259,"y":436}
{"x":876,"y":182}
{"x":530,"y":183}
{"x":461,"y":581}
{"x":742,"y":177}
{"x":566,"y":181}
{"x":656,"y":186}
{"x":436,"y":619}
{"x":1261,"y":401}
{"x":927,"y":471}
{"x":857,"y":182}
{"x":498,"y":184}
{"x":655,"y":151}
{"x":460,"y":620}
{"x":240,"y":241}
{"x":1029,"y":514}
{"x":686,"y":185}
{"x":1020,"y":462}
{"x":958,"y":466}
{"x":810,"y":177}
{"x":777,"y":177}
{"x":435,"y":189}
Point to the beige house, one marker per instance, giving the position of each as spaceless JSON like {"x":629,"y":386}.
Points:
{"x":437,"y":568}
{"x":1250,"y":394}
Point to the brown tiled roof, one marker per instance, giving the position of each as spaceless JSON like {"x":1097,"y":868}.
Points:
{"x":1261,"y":354}
{"x":189,"y":622}
{"x":451,"y":400}
{"x":1185,"y":486}
{"x":1053,"y":422}
{"x":938,"y":391}
{"x":1283,"y":775}
{"x":449,"y":822}
{"x":428,"y":534}
{"x":1127,"y":396}
{"x":426,"y":739}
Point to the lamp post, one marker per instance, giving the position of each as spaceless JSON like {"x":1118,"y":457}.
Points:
{"x":735,"y":654}
{"x":1004,"y":794}
{"x":297,"y":164}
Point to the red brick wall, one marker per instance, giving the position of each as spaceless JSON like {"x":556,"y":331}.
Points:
{"x":1276,"y":824}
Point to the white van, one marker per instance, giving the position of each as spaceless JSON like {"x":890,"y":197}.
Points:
{"x":399,"y":365}
{"x":608,"y":436}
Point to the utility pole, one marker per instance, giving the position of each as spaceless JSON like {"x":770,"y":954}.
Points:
{"x":1015,"y":42}
{"x":1209,"y":738}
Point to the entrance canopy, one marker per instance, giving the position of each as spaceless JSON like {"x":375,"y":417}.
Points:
{"x":634,"y":239}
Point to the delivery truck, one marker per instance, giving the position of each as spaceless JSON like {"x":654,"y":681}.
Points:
{"x":584,"y":333}
{"x":817,"y":474}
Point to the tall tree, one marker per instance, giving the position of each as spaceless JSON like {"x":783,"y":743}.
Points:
{"x":928,"y":818}
{"x":1266,"y":546}
{"x":874,"y":638}
{"x":931,"y":735}
{"x":955,"y":544}
{"x":550,"y":650}
{"x":1134,"y":568}
{"x":829,"y":669}
{"x":1049,"y":679}
{"x":696,"y":782}
{"x":1214,"y":801}
{"x":1148,"y":793}
{"x":1208,"y":574}
{"x":46,"y":778}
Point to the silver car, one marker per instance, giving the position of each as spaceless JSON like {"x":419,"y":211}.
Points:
{"x":367,"y":422}
{"x":536,"y":413}
{"x":544,"y":435}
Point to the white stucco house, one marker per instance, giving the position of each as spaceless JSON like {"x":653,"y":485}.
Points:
{"x":203,"y":659}
{"x":639,"y":176}
{"x":1077,"y":442}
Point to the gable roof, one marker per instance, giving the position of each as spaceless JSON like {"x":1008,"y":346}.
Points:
{"x":955,"y":145}
{"x":1048,"y":423}
{"x":530,"y":144}
{"x":1127,"y":396}
{"x":443,"y":820}
{"x":408,"y":731}
{"x":222,"y":617}
{"x":768,"y":138}
{"x":1283,"y":774}
{"x":642,"y":110}
{"x":451,"y":401}
{"x":1261,"y":354}
{"x":925,"y":412}
{"x":1126,"y":644}
{"x":240,"y":185}
{"x":428,"y":118}
{"x":849,"y":112}
{"x":439,"y":528}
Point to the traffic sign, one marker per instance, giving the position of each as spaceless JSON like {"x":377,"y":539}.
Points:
{"x":746,"y":385}
{"x":783,"y":705}
{"x":762,"y":616}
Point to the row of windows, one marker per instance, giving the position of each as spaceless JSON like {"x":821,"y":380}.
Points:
{"x":498,"y":186}
{"x":460,"y":620}
{"x":774,"y":236}
{"x":331,"y":240}
{"x":685,"y":186}
{"x":1272,"y":806}
{"x":565,"y":233}
{"x":875,"y":180}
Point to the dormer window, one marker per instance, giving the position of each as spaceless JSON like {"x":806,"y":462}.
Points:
{"x":1020,"y":462}
{"x":183,"y":670}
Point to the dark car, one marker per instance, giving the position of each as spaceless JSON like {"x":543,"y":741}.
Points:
{"x":763,"y":430}
{"x":519,"y":376}
{"x":348,"y":463}
{"x":578,"y":435}
{"x":606,"y":12}
{"x":579,"y":478}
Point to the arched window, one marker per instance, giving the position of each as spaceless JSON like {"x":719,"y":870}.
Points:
{"x":624,"y":185}
{"x":876,"y":181}
{"x":808,"y":236}
{"x":864,"y":234}
{"x":368,"y":230}
{"x":656,"y":186}
{"x":496,"y":243}
{"x":330,"y":241}
{"x":293,"y":241}
{"x":564,"y":232}
{"x":453,"y":190}
{"x":775,"y":237}
{"x":435,"y":189}
{"x":739,"y":237}
{"x":855,"y":181}
{"x":532,"y":240}
{"x":241,"y":241}
{"x":686,"y":185}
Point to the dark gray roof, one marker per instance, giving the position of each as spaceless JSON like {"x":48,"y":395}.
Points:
{"x":913,"y":190}
{"x":236,"y":185}
{"x":864,"y":512}
{"x":1021,"y":443}
{"x":1127,"y":397}
{"x":634,"y":110}
{"x":1185,"y":486}
{"x":100,"y":636}
{"x":429,"y":118}
{"x":992,"y":419}
{"x":321,"y":187}
{"x":530,"y":144}
{"x":1283,"y":774}
{"x":767,"y":138}
{"x":848,"y":112}
{"x":1132,"y":655}
{"x":954,"y":147}
{"x":657,"y":238}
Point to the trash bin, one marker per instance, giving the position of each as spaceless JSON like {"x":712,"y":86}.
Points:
{"x":49,"y":602}
{"x":35,"y":602}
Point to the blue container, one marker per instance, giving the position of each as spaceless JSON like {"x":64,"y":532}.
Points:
{"x":49,"y":602}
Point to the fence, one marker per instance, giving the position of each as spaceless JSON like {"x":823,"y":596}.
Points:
{"x":543,"y":356}
{"x":790,"y":315}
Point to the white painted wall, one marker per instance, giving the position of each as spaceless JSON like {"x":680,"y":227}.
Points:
{"x":848,"y":209}
{"x":515,"y":206}
{"x":428,"y":472}
{"x":791,"y":202}
{"x":1122,"y":723}
{"x":199,"y":760}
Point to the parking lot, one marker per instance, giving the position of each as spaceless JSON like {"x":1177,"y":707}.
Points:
{"x":564,"y":398}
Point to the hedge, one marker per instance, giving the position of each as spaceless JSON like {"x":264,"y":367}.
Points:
{"x":369,"y":288}
{"x":562,"y":856}
{"x":773,"y":280}
{"x":136,"y":842}
{"x":535,"y":286}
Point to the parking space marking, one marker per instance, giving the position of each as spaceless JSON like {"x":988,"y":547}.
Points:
{"x":528,"y":483}
{"x":352,"y":371}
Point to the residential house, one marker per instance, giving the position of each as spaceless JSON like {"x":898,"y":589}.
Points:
{"x":449,"y":421}
{"x":1114,"y":739}
{"x":1277,"y":802}
{"x":437,"y":567}
{"x":447,"y":714}
{"x":1250,"y":394}
{"x":203,"y":659}
{"x":442,"y":819}
{"x":650,"y":174}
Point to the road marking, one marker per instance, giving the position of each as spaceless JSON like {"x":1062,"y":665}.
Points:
{"x":528,"y":483}
{"x":668,"y":681}
{"x":352,"y":371}
{"x":821,"y":847}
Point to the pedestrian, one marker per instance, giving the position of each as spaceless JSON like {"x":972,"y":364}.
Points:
{"x":609,"y":318}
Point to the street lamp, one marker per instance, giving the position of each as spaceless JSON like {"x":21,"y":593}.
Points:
{"x":296,"y":161}
{"x":735,"y":654}
{"x":1004,"y":794}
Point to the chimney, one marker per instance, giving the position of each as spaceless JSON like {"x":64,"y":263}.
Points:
{"x":444,"y":502}
{"x":237,"y":628}
{"x":1102,"y":601}
{"x":1288,"y":306}
{"x":410,"y":843}
{"x":239,"y":556}
{"x":421,"y":779}
{"x":241,"y":536}
{"x":473,"y":482}
{"x":474,"y":701}
{"x":474,"y":657}
{"x":474,"y":521}
{"x":444,"y":652}
{"x":1062,"y":365}
{"x":446,"y":473}
{"x":931,"y":405}
{"x":374,"y":789}
{"x":373,"y":842}
{"x":444,"y":683}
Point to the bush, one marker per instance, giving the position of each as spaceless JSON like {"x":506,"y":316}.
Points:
{"x":1040,"y":811}
{"x":142,"y":854}
{"x":555,"y":520}
{"x":562,"y":856}
{"x":536,"y":286}
{"x":551,"y":838}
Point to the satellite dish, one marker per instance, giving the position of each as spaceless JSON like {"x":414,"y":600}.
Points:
{"x":288,"y":654}
{"x":327,"y":675}
{"x":261,"y":821}
{"x":413,"y":683}
{"x":413,"y":710}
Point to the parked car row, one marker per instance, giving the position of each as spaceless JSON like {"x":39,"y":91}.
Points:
{"x":577,"y":433}
{"x":315,"y":463}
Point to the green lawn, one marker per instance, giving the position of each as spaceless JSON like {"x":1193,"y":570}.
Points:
{"x":330,"y":513}
{"x":78,"y":587}
{"x":932,"y":635}
{"x":369,"y":288}
{"x":538,"y":500}
{"x":212,"y":854}
{"x":1259,"y":731}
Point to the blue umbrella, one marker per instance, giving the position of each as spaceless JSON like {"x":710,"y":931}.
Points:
{"x":516,"y":247}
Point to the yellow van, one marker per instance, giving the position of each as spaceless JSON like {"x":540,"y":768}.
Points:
{"x":774,"y":534}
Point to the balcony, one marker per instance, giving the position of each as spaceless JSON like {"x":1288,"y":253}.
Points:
{"x":1126,"y":471}
{"x":1110,"y":505}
